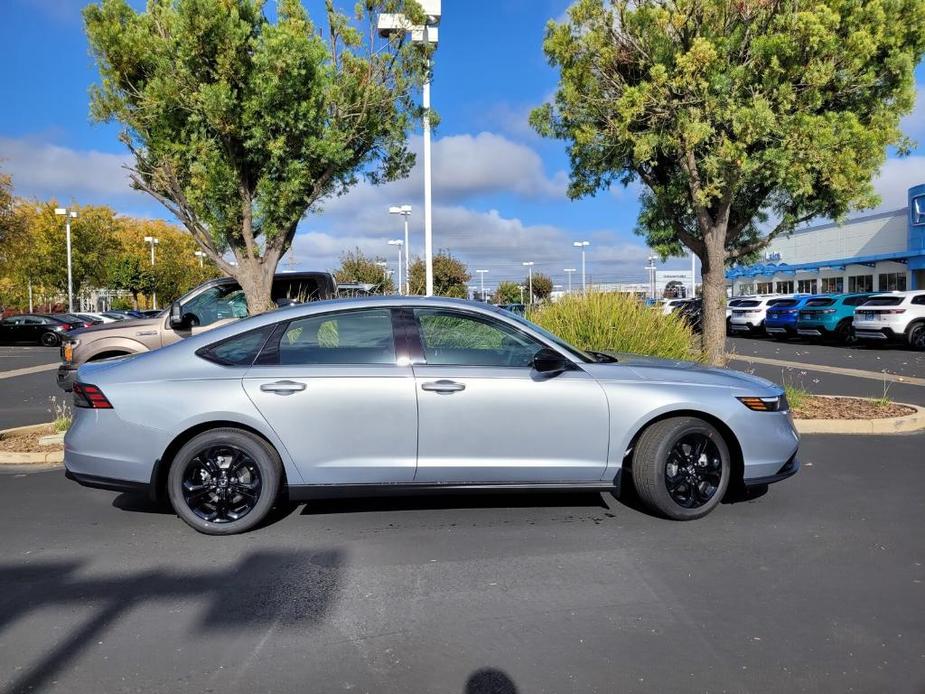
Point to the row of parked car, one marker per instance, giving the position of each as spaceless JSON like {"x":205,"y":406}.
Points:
{"x":896,"y":317}
{"x":48,"y":328}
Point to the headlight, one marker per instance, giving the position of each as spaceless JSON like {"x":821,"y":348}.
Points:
{"x":772,"y":404}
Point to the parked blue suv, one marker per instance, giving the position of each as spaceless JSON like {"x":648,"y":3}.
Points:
{"x":781,"y":319}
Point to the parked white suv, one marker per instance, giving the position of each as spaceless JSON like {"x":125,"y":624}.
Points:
{"x":748,"y":314}
{"x":894,"y":317}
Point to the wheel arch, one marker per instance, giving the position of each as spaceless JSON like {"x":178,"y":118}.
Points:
{"x":729,"y":437}
{"x":158,"y":486}
{"x":107,"y":353}
{"x":913,"y":324}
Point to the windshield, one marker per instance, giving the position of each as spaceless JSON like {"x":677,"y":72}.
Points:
{"x":574,"y":351}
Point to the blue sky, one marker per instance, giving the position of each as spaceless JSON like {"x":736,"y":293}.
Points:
{"x":498,"y":188}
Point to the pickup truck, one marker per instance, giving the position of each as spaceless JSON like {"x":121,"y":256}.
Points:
{"x":207,"y":306}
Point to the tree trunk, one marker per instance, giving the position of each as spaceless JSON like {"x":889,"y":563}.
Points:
{"x":256,"y":279}
{"x":714,"y":299}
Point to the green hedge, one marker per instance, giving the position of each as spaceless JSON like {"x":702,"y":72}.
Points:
{"x":612,"y":322}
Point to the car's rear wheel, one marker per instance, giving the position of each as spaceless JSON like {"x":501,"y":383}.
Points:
{"x":50,"y":340}
{"x":844,"y":333}
{"x":681,"y":467}
{"x":917,"y":336}
{"x":224,"y":481}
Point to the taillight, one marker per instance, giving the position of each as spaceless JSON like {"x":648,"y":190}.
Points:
{"x":86,"y":395}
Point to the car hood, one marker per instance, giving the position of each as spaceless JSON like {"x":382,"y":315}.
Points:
{"x":117,"y":325}
{"x":636,"y":367}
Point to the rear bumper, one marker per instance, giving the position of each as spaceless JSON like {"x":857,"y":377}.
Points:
{"x":813,"y":330}
{"x":109,"y":483}
{"x":780,"y":328}
{"x":788,"y":469}
{"x":742,"y":327}
{"x":879,"y":334}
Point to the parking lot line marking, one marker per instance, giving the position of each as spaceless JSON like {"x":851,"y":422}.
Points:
{"x":27,"y":370}
{"x":856,"y":373}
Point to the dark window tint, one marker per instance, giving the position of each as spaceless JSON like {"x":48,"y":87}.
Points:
{"x":784,"y":303}
{"x":854,"y":300}
{"x":748,"y":303}
{"x":351,"y":337}
{"x":452,"y":338}
{"x":240,"y":350}
{"x":820,"y":302}
{"x":884,"y":301}
{"x":920,"y":299}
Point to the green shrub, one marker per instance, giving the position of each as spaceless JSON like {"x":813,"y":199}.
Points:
{"x":613,"y":322}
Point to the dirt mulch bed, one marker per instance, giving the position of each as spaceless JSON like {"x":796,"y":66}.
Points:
{"x":28,"y":442}
{"x":848,"y":408}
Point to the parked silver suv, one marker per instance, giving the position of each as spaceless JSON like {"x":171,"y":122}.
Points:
{"x":207,"y":306}
{"x":894,"y":317}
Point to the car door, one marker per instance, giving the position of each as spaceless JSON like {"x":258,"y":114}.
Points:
{"x":32,"y":328}
{"x":9,"y":330}
{"x":485,"y":415}
{"x":340,"y":396}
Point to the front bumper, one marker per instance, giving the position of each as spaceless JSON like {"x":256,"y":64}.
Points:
{"x":67,"y":373}
{"x":788,"y":469}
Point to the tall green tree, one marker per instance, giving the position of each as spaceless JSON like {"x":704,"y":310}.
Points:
{"x":742,"y":119}
{"x":542,"y":286}
{"x":451,"y":276}
{"x":239,"y":126}
{"x":508,"y":293}
{"x":357,"y":267}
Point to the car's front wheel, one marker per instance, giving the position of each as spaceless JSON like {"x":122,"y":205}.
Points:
{"x":50,"y":340}
{"x":681,"y":467}
{"x":224,"y":481}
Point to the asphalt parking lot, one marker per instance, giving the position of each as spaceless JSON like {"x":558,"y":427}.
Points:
{"x":24,"y":398}
{"x":818,"y":585}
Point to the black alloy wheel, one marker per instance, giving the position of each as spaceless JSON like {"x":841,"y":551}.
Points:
{"x":221,"y":484}
{"x":50,"y":339}
{"x":917,"y":337}
{"x":694,"y":471}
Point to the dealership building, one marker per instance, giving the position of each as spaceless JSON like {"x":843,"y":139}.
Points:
{"x":875,"y":253}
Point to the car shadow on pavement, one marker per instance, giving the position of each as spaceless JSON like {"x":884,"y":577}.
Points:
{"x":294,"y":589}
{"x":469,"y":500}
{"x":490,"y":680}
{"x":135,"y":502}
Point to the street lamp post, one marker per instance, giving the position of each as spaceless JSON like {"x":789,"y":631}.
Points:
{"x":152,"y":241}
{"x":584,"y":280}
{"x":482,"y":281}
{"x":651,"y":268}
{"x":569,"y":271}
{"x":201,"y":256}
{"x":404,"y":211}
{"x":390,"y":25}
{"x":399,"y":243}
{"x":529,"y":267}
{"x":68,"y":215}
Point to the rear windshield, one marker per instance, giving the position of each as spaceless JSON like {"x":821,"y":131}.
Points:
{"x":785,"y":303}
{"x":820,"y":302}
{"x":884,"y":301}
{"x":748,"y":303}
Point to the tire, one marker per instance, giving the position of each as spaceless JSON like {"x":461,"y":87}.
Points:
{"x":50,"y":340}
{"x":844,"y":333}
{"x":252,"y":473}
{"x":917,"y":336}
{"x":656,"y":446}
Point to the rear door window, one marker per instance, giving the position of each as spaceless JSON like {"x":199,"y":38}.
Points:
{"x":351,"y":337}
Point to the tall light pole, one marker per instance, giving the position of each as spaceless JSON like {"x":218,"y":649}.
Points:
{"x":529,"y":267}
{"x":398,"y":24}
{"x":153,"y":242}
{"x":584,"y":280}
{"x":201,"y":256}
{"x":405,"y":211}
{"x":482,"y":281}
{"x":569,"y":271}
{"x":399,"y":243}
{"x":68,"y":215}
{"x":693,"y":275}
{"x":651,"y":268}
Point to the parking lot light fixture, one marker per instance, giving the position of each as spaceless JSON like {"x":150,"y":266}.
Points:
{"x":568,"y":271}
{"x":201,"y":256}
{"x":404,"y":211}
{"x":68,"y":215}
{"x":152,"y":241}
{"x":482,"y":281}
{"x":583,"y":245}
{"x":399,"y":243}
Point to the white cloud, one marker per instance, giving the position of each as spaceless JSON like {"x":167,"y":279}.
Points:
{"x":895,"y":179}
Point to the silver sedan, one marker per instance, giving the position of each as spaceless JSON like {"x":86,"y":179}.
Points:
{"x":400,"y":395}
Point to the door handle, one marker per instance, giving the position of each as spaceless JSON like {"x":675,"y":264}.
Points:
{"x":282,"y":387}
{"x":443,"y":386}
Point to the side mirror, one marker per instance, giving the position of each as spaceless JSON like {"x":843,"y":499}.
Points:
{"x":549,"y":362}
{"x":176,"y":315}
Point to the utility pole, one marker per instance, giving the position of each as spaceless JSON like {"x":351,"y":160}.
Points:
{"x":68,"y":215}
{"x":583,"y":245}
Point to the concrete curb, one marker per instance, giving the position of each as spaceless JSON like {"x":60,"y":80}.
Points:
{"x":885,"y":425}
{"x":24,"y":458}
